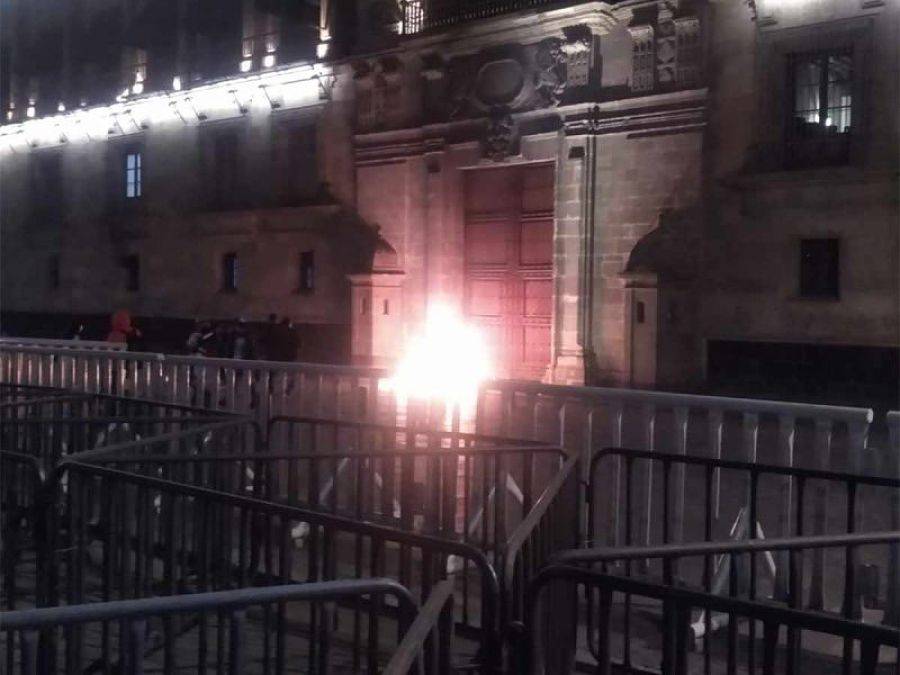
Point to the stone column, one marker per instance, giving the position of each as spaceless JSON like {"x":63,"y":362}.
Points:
{"x":571,"y":268}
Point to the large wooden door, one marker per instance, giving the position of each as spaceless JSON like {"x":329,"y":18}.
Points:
{"x":509,"y":264}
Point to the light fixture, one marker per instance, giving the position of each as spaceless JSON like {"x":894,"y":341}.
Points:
{"x":176,"y":83}
{"x":243,"y":107}
{"x":29,"y":111}
{"x":273,"y":97}
{"x":60,"y":107}
{"x":9,"y":114}
{"x":137,"y":88}
{"x":246,"y":64}
{"x":268,"y":60}
{"x":321,"y":50}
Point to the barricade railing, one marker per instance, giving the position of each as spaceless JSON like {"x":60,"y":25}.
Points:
{"x":758,"y":498}
{"x":83,"y":345}
{"x":227,"y":631}
{"x":261,"y":388}
{"x":666,"y":638}
{"x":584,"y":419}
{"x":133,"y":535}
{"x":745,"y":569}
{"x":427,"y":646}
{"x":33,"y":495}
{"x":514,"y":501}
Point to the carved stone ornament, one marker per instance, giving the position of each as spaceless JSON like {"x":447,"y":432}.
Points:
{"x":500,"y":135}
{"x":550,"y":74}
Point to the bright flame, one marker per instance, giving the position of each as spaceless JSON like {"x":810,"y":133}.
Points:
{"x":447,"y":361}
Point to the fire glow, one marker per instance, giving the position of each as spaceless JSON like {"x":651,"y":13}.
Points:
{"x":447,"y":361}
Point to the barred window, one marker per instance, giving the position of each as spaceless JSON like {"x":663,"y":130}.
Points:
{"x":821,"y":108}
{"x":643,"y":59}
{"x":133,"y":176}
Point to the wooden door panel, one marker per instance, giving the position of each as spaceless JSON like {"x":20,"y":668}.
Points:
{"x":537,"y":243}
{"x":538,"y":298}
{"x":487,"y":243}
{"x":485,"y":297}
{"x":537,"y":345}
{"x":509,"y":265}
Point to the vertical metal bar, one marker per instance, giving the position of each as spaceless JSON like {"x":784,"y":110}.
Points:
{"x":820,"y":514}
{"x":786,"y":432}
{"x":237,"y":626}
{"x":715,"y":431}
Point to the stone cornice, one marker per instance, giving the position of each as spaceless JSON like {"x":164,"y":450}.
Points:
{"x":648,"y":114}
{"x":645,"y":114}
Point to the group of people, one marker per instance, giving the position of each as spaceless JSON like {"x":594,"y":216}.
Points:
{"x":277,"y":340}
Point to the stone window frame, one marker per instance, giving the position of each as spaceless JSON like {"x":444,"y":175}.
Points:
{"x":775,"y":100}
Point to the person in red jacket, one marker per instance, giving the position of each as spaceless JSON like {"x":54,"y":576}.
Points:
{"x":121,"y":329}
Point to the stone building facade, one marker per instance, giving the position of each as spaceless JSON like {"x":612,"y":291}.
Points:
{"x":654,"y":193}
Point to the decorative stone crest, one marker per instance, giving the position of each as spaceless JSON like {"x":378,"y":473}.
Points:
{"x":550,"y":74}
{"x":500,"y":135}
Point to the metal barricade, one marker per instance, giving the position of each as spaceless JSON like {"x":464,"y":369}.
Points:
{"x":585,"y":419}
{"x":261,"y":388}
{"x":513,"y":501}
{"x":133,"y":535}
{"x":33,"y":494}
{"x":757,"y":499}
{"x":666,"y":641}
{"x":744,"y":569}
{"x":230,"y":631}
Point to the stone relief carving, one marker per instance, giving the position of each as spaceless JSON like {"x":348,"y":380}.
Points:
{"x":550,"y":74}
{"x":500,"y":135}
{"x":520,"y":77}
{"x":378,"y":89}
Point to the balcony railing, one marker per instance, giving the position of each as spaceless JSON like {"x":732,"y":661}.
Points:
{"x":424,"y":15}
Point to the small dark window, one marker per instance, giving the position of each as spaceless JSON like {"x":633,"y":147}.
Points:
{"x":53,"y":277}
{"x":821,"y":108}
{"x":386,"y":308}
{"x":639,"y":312}
{"x":133,"y":174}
{"x":819,"y":268}
{"x":307,"y":271}
{"x":364,"y":306}
{"x":131,"y":265}
{"x":229,"y":272}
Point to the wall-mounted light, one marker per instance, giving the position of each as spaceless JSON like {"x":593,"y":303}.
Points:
{"x":60,"y":107}
{"x":243,"y":102}
{"x":273,"y":95}
{"x":176,"y":83}
{"x":29,"y":111}
{"x":326,"y":81}
{"x":246,"y":65}
{"x":321,"y":50}
{"x":268,"y":60}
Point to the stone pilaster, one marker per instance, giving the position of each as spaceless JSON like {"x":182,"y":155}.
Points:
{"x":571,"y":250}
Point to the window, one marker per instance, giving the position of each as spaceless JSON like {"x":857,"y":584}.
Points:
{"x":413,"y":16}
{"x":53,"y":277}
{"x":229,"y":272}
{"x":133,"y":174}
{"x":643,"y":59}
{"x":819,"y":268}
{"x":821,"y":109}
{"x":307,"y":271}
{"x":131,"y":265}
